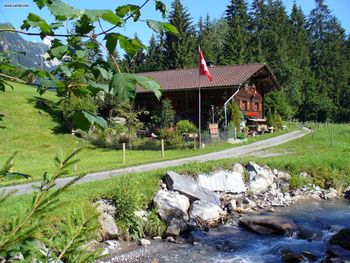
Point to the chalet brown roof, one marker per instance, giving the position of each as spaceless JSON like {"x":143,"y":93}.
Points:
{"x":224,"y":76}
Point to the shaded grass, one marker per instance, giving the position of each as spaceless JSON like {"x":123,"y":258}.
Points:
{"x":34,"y":131}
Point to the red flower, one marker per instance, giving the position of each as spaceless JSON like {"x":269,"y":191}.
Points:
{"x":252,"y":114}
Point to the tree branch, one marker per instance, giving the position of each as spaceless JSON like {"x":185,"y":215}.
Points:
{"x":70,"y":35}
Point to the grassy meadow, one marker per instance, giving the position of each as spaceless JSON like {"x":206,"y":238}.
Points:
{"x":35,"y":133}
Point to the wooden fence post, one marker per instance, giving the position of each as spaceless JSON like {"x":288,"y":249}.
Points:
{"x":124,"y":159}
{"x":75,"y":158}
{"x":162,"y":148}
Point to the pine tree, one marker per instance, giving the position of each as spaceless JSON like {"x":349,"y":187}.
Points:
{"x":300,"y":72}
{"x":207,"y":38}
{"x":236,"y":41}
{"x":154,"y":59}
{"x":180,"y":50}
{"x":327,"y":63}
{"x":257,"y":29}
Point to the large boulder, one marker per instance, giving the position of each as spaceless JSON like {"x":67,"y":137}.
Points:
{"x":260,"y":178}
{"x":106,"y":210}
{"x":237,"y":167}
{"x":342,"y":238}
{"x":175,"y":227}
{"x":206,"y":212}
{"x":189,"y":187}
{"x":269,"y":225}
{"x":171,"y":205}
{"x":223,"y":181}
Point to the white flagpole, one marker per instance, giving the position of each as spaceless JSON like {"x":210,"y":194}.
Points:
{"x":199,"y":106}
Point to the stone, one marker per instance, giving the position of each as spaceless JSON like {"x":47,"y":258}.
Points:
{"x":269,"y":224}
{"x":175,"y":227}
{"x":330,"y":194}
{"x":189,"y":187}
{"x":157,"y":238}
{"x":239,"y":168}
{"x":171,"y":205}
{"x":171,"y":239}
{"x":347,"y":193}
{"x":208,"y":212}
{"x":145,"y":242}
{"x":232,"y":205}
{"x":105,"y":252}
{"x":112,"y":244}
{"x":106,"y":209}
{"x":283,"y":176}
{"x":142,"y":214}
{"x":337,"y":251}
{"x":260,"y":178}
{"x":222,"y":181}
{"x":109,"y":229}
{"x":196,"y":236}
{"x":304,"y":174}
{"x":105,"y":206}
{"x":226,"y":246}
{"x":342,"y":238}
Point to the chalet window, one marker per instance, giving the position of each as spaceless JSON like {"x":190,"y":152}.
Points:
{"x":244,"y":105}
{"x":256,"y":106}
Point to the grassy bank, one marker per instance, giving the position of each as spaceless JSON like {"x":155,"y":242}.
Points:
{"x":328,"y":164}
{"x":326,"y":160}
{"x":34,"y":131}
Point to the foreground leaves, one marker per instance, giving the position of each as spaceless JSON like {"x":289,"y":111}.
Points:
{"x":124,"y":85}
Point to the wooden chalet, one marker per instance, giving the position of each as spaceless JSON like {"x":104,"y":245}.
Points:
{"x":248,"y":83}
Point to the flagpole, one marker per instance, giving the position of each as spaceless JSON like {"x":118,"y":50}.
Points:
{"x":199,"y":113}
{"x":199,"y":106}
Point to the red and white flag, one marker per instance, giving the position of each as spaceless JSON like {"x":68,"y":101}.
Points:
{"x":203,"y":69}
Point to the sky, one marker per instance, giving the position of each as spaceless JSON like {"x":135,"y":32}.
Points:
{"x":197,"y":8}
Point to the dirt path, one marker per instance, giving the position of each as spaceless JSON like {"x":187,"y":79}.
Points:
{"x":229,"y":153}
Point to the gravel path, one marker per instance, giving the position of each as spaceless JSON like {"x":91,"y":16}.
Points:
{"x":229,"y":153}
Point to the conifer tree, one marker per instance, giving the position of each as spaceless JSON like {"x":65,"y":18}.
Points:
{"x":236,"y":41}
{"x":207,"y":38}
{"x":327,"y":50}
{"x":257,"y":28}
{"x":154,"y":59}
{"x":180,"y":50}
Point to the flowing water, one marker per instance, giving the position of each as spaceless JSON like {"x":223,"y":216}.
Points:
{"x":316,"y":220}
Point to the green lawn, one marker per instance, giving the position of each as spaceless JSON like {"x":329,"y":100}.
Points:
{"x":35,"y":133}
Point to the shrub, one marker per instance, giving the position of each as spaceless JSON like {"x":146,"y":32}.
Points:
{"x":170,"y":136}
{"x":277,"y":121}
{"x":165,"y":118}
{"x":185,"y":127}
{"x":70,"y":105}
{"x":154,"y":225}
{"x":128,"y":200}
{"x":297,"y":181}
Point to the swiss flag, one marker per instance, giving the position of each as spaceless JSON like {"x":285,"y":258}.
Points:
{"x":203,"y":69}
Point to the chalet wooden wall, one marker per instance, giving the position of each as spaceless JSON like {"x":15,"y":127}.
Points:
{"x":251,"y":99}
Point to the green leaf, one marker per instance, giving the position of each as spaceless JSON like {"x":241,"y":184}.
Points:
{"x":124,"y":10}
{"x":66,"y":70}
{"x":96,"y":87}
{"x":34,"y":20}
{"x":160,"y":27}
{"x":131,"y":46}
{"x":84,"y":25}
{"x":123,"y":86}
{"x":83,"y":120}
{"x":104,"y":73}
{"x":160,"y":6}
{"x":149,"y":84}
{"x":170,"y":28}
{"x":59,"y":51}
{"x":40,"y":3}
{"x":112,"y":18}
{"x":63,"y":11}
